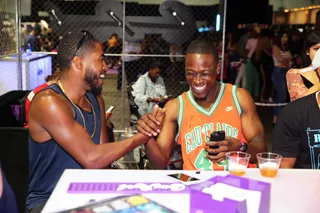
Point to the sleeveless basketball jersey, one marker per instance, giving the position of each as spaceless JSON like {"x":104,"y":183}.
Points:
{"x":196,"y":124}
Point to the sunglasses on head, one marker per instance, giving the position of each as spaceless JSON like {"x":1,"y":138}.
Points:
{"x":81,"y":41}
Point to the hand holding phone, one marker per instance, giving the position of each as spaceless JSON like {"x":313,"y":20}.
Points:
{"x":217,"y":136}
{"x":109,"y":113}
{"x":110,"y":109}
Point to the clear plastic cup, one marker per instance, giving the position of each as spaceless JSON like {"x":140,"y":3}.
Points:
{"x":269,"y":163}
{"x":237,"y":162}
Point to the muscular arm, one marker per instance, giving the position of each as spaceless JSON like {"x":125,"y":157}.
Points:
{"x":159,"y":151}
{"x":53,"y":114}
{"x":251,"y":125}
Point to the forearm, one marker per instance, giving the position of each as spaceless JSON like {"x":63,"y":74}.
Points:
{"x":287,"y":163}
{"x":155,"y":154}
{"x":105,"y":154}
{"x":254,"y":147}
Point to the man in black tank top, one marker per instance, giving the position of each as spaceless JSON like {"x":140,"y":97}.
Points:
{"x":66,"y":120}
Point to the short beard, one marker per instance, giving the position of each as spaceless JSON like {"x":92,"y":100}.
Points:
{"x":90,"y":78}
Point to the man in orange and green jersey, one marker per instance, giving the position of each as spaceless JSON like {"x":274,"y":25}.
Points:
{"x":208,"y":106}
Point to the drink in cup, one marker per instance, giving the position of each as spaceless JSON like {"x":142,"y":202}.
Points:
{"x":269,"y":163}
{"x":237,"y":162}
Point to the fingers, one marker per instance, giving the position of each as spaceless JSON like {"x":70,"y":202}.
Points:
{"x":216,"y":154}
{"x":217,"y":143}
{"x":141,"y":130}
{"x":155,"y":110}
{"x":160,"y":115}
{"x":217,"y":150}
{"x":148,"y":125}
{"x":218,"y":158}
{"x":108,"y":115}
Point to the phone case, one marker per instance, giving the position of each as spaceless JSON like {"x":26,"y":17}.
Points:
{"x":216,"y":136}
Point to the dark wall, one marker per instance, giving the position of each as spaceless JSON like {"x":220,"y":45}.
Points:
{"x":248,"y":11}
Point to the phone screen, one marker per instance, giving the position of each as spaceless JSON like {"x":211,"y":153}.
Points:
{"x":183,"y":177}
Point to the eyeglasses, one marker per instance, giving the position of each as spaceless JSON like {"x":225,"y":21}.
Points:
{"x":193,"y":75}
{"x":81,"y":41}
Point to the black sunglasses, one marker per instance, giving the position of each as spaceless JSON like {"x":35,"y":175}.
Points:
{"x":81,"y":41}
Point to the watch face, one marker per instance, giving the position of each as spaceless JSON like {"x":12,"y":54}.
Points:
{"x":243,"y":147}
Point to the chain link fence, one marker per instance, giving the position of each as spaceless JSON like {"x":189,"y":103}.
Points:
{"x":135,"y":35}
{"x":8,"y":43}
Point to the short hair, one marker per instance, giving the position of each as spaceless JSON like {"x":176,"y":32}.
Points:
{"x":37,"y":28}
{"x":68,"y":45}
{"x":203,"y":46}
{"x":154,"y":64}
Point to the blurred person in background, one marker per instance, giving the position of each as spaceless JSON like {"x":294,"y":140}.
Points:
{"x":114,"y":46}
{"x":252,"y":74}
{"x":149,"y":89}
{"x":242,"y":52}
{"x":262,"y":60}
{"x":302,"y":83}
{"x":32,"y":41}
{"x":282,"y":62}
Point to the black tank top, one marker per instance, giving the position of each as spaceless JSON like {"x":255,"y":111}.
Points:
{"x":48,"y":160}
{"x":306,"y":82}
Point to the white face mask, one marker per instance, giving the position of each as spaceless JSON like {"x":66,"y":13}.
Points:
{"x":315,"y":63}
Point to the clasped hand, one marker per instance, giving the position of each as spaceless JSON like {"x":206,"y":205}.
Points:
{"x":151,"y":124}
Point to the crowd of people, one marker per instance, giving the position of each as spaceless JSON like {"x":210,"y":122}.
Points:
{"x":67,"y":120}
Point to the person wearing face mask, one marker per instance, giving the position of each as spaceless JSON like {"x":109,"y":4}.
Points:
{"x":208,"y":106}
{"x":67,"y":120}
{"x":149,"y":89}
{"x":299,"y":81}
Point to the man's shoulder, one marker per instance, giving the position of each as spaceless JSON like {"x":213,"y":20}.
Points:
{"x":47,"y":95}
{"x":299,"y":106}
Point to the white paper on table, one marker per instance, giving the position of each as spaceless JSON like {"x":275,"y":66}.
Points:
{"x":219,"y":191}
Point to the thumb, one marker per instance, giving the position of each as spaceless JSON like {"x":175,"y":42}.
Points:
{"x":161,"y":114}
{"x":155,"y":110}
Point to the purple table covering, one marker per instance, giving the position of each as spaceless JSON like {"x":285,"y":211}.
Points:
{"x":199,"y":201}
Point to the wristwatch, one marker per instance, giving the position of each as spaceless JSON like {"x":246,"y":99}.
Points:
{"x":243,"y":146}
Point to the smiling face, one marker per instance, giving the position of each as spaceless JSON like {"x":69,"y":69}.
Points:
{"x":201,"y":71}
{"x":95,"y":68}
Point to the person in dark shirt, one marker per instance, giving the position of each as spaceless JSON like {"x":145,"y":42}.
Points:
{"x":7,"y":200}
{"x":297,"y":133}
{"x":31,"y":41}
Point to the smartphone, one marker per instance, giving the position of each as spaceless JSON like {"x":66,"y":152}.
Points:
{"x":185,"y":179}
{"x":217,"y":136}
{"x":110,"y":109}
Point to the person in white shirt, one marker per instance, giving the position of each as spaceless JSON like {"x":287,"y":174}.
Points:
{"x":149,"y":89}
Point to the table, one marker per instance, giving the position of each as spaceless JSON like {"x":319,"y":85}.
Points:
{"x":293,"y":191}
